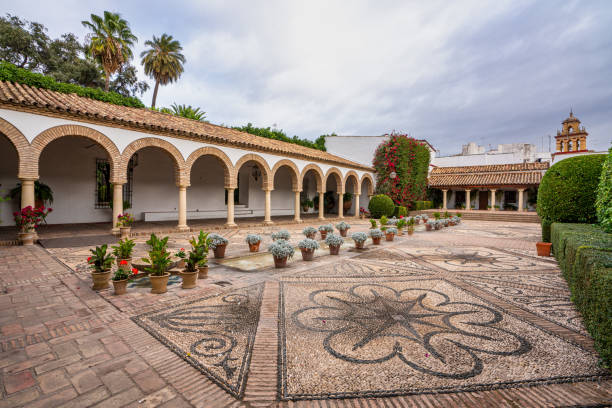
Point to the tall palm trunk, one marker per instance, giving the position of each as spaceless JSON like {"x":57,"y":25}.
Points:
{"x":106,"y":80}
{"x":155,"y":94}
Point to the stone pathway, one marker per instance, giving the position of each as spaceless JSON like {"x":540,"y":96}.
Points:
{"x":464,"y":316}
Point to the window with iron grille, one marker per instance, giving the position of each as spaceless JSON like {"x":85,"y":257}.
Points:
{"x":104,"y":188}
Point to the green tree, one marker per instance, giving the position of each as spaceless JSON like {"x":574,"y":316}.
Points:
{"x":109,"y":42}
{"x":126,"y":83}
{"x":603,"y":204}
{"x":23,"y":43}
{"x":163,"y":61}
{"x":186,"y":111}
{"x":275,"y":134}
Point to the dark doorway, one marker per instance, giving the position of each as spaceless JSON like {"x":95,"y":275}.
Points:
{"x":483,"y":200}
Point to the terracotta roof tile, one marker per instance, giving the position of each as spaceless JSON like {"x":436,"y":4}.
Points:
{"x":522,"y":174}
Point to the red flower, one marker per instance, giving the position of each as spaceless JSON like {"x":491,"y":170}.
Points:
{"x":89,"y":259}
{"x":123,"y":262}
{"x":182,"y":249}
{"x":135,"y":271}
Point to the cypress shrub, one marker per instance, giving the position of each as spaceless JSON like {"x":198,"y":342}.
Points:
{"x":381,"y":205}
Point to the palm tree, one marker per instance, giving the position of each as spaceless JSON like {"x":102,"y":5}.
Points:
{"x":187,"y":111}
{"x":163,"y":61}
{"x":109,"y":42}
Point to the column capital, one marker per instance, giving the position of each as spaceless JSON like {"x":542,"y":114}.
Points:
{"x":183,"y":186}
{"x":28,"y":179}
{"x":521,"y":189}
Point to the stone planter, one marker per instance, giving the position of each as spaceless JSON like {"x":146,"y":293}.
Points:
{"x":189,"y":279}
{"x":359,"y":245}
{"x":127,"y":267}
{"x":220,"y":251}
{"x":280,"y":262}
{"x":543,"y":248}
{"x":100,"y":280}
{"x":323,"y":234}
{"x":307,"y":254}
{"x":376,"y":240}
{"x":26,"y":238}
{"x":343,"y":233}
{"x":254,"y":247}
{"x":389,"y":237}
{"x":334,"y":249}
{"x":125,"y":232}
{"x":202,"y":272}
{"x":159,"y":284}
{"x":120,"y":286}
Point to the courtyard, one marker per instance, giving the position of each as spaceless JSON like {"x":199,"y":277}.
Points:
{"x":464,"y":316}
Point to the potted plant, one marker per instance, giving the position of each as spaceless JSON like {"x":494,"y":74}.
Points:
{"x":430,"y":225}
{"x":218,"y":244}
{"x":306,"y":204}
{"x":27,"y":220}
{"x":100,"y":262}
{"x":436,"y":215}
{"x":281,"y":234}
{"x":254,"y":240}
{"x":343,"y":227}
{"x":123,"y":251}
{"x":373,"y":224}
{"x":401,"y":224}
{"x":42,"y":194}
{"x":363,"y":213}
{"x":347,"y":201}
{"x":124,"y":222}
{"x":424,"y":217}
{"x":446,"y":214}
{"x":122,"y":276}
{"x":417,"y":219}
{"x":438,"y":224}
{"x":159,"y":262}
{"x":376,"y":235}
{"x":411,"y":222}
{"x":181,"y":255}
{"x":198,"y":256}
{"x":308,"y":246}
{"x":324,"y":229}
{"x":310,"y":232}
{"x":390,"y":233}
{"x":281,"y":250}
{"x":359,"y":238}
{"x":334,"y":242}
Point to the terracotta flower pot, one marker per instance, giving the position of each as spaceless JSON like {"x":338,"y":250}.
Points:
{"x":343,"y":233}
{"x":323,"y":234}
{"x":376,"y":240}
{"x":359,"y":245}
{"x":305,"y":209}
{"x":334,"y":249}
{"x":389,"y":237}
{"x":189,"y":279}
{"x":410,"y":231}
{"x":220,"y":251}
{"x":125,"y":232}
{"x":254,"y":247}
{"x":311,"y":236}
{"x":543,"y":248}
{"x":202,"y":272}
{"x":400,"y":231}
{"x":280,"y":262}
{"x":159,"y":284}
{"x":26,"y":238}
{"x":100,"y":280}
{"x":120,"y":286}
{"x":347,"y":205}
{"x":307,"y":254}
{"x":428,"y":227}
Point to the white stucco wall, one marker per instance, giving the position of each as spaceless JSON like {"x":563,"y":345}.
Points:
{"x":8,"y":180}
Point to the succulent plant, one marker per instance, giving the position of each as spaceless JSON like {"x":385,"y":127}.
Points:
{"x":391,"y":230}
{"x":392,"y":221}
{"x":326,"y":227}
{"x":359,"y":237}
{"x":308,"y":244}
{"x":216,"y":240}
{"x":376,"y":233}
{"x":281,"y":234}
{"x":341,"y":226}
{"x":281,"y":249}
{"x":309,"y":231}
{"x":252,"y":239}
{"x":334,"y":240}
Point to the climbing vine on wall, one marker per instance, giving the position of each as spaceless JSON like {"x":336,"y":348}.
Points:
{"x":409,"y":159}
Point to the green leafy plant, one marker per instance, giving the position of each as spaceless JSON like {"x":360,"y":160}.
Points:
{"x":281,"y":249}
{"x":603,"y":204}
{"x":42,"y":193}
{"x":383,"y":223}
{"x":181,"y":254}
{"x":123,"y":272}
{"x":446,"y":214}
{"x":124,"y":248}
{"x":459,"y":215}
{"x":346,"y":197}
{"x":125,"y":220}
{"x":420,"y":205}
{"x":309,"y":244}
{"x":275,"y":134}
{"x":401,"y":223}
{"x":334,"y":240}
{"x":307,"y":203}
{"x":100,"y":260}
{"x":359,"y":237}
{"x":159,"y":257}
{"x":436,"y":215}
{"x":198,"y":256}
{"x":380,"y":205}
{"x":373,"y":224}
{"x":400,"y":211}
{"x":253,"y":239}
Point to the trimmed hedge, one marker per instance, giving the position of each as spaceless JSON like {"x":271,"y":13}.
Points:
{"x":400,"y":211}
{"x":11,"y":73}
{"x":568,"y":190}
{"x":584,"y":253}
{"x":423,"y":205}
{"x":603,"y":205}
{"x":381,"y":205}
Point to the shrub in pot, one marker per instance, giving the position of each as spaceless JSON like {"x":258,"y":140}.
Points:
{"x":123,"y":251}
{"x":308,"y":246}
{"x":363,"y":213}
{"x":436,"y":215}
{"x":430,"y":225}
{"x":124,"y":222}
{"x":254,"y":240}
{"x":122,"y":276}
{"x":310,"y":232}
{"x":376,"y":235}
{"x":401,"y":224}
{"x":159,"y":261}
{"x":306,"y":204}
{"x":411,"y":222}
{"x":218,"y":244}
{"x":359,"y":238}
{"x":27,"y":220}
{"x":325,"y":229}
{"x":334,"y":242}
{"x":383,"y":223}
{"x":281,"y":250}
{"x":343,"y":227}
{"x":390,"y":233}
{"x":281,"y":234}
{"x":417,"y":219}
{"x":380,"y":205}
{"x":198,"y":256}
{"x":100,"y":262}
{"x":373,"y":224}
{"x":181,"y":255}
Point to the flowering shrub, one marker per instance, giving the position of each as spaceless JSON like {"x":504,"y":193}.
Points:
{"x":125,"y":220}
{"x":309,"y":244}
{"x":214,"y":240}
{"x":309,"y":231}
{"x":281,"y":234}
{"x":252,"y":239}
{"x":359,"y":237}
{"x":123,"y":273}
{"x":364,"y":212}
{"x":281,"y":249}
{"x":334,"y":240}
{"x":181,"y":253}
{"x":341,"y":226}
{"x":124,"y":249}
{"x":376,"y":233}
{"x":30,"y":218}
{"x":326,"y":227}
{"x":101,"y":260}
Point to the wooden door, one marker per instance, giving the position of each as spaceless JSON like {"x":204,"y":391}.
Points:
{"x":483,"y":200}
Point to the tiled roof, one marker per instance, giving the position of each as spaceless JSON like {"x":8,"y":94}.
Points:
{"x":14,"y":95}
{"x":490,"y":175}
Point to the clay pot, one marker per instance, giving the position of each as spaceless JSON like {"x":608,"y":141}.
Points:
{"x":376,"y":240}
{"x":334,"y":249}
{"x":202,"y":272}
{"x":389,"y":237}
{"x":220,"y":251}
{"x":311,"y":236}
{"x":307,"y":254}
{"x":100,"y":280}
{"x":280,"y":262}
{"x":428,"y":227}
{"x":189,"y":279}
{"x":400,"y":231}
{"x":125,"y":232}
{"x":359,"y":245}
{"x":26,"y":238}
{"x":347,"y":205}
{"x":323,"y":234}
{"x":543,"y":248}
{"x":343,"y":233}
{"x":120,"y":286}
{"x":410,"y":231}
{"x":254,"y":247}
{"x":159,"y":284}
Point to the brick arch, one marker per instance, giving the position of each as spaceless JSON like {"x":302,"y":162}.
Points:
{"x":319,"y":177}
{"x":296,"y":181}
{"x":356,"y":185}
{"x":226,"y":163}
{"x":366,"y":176}
{"x":180,"y":173}
{"x":268,"y":182}
{"x":339,"y":179}
{"x":43,"y":139}
{"x":22,"y":146}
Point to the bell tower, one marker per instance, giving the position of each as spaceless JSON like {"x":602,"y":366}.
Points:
{"x":572,"y":138}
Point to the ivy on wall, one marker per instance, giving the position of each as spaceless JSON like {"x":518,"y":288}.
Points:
{"x":409,"y":159}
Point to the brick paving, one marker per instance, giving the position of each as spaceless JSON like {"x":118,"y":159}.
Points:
{"x":64,"y":345}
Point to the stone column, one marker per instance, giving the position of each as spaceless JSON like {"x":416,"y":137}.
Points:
{"x":321,"y":205}
{"x":467,"y":199}
{"x":520,"y":199}
{"x":340,"y":205}
{"x":267,"y":213}
{"x":230,"y":208}
{"x":296,"y":210}
{"x":493,"y":200}
{"x":444,"y":199}
{"x":117,"y":206}
{"x":356,"y":215}
{"x":27,"y":193}
{"x":182,"y":210}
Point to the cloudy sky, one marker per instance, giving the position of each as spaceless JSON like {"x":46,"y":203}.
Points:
{"x":485,"y":71}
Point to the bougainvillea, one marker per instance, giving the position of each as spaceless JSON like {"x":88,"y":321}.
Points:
{"x":409,"y":159}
